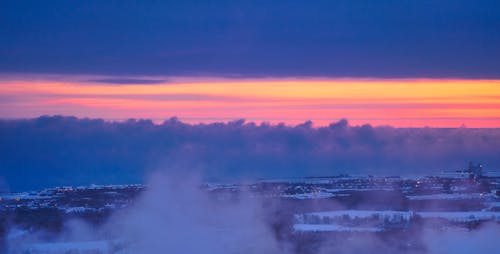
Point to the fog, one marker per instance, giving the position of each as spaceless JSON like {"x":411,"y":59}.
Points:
{"x":173,"y":216}
{"x":482,"y":240}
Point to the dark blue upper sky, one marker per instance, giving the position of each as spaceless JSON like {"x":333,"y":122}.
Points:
{"x":439,"y":38}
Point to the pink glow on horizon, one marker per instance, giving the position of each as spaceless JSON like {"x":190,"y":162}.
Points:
{"x":401,"y":103}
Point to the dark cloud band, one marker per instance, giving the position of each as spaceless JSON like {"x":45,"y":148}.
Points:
{"x":67,"y":150}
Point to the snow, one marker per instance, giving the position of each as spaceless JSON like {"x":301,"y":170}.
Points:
{"x":463,"y":216}
{"x":358,"y":189}
{"x":110,"y":186}
{"x":318,"y":218}
{"x":313,"y":195}
{"x":78,"y":209}
{"x":333,"y":227}
{"x":363,"y":214}
{"x":70,"y":247}
{"x":24,"y":196}
{"x":452,"y":196}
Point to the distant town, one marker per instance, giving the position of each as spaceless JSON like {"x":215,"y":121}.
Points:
{"x":308,"y":207}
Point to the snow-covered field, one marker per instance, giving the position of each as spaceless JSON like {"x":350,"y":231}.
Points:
{"x":332,"y":227}
{"x":314,"y":195}
{"x":451,"y":196}
{"x":342,"y":220}
{"x":69,"y":247}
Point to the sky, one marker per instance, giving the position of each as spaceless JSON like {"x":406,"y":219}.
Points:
{"x":324,"y":88}
{"x":399,"y":63}
{"x":396,"y":102}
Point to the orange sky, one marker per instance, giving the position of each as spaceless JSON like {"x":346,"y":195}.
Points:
{"x":402,"y":103}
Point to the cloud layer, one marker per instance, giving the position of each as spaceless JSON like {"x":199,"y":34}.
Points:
{"x":447,"y":38}
{"x":58,"y":150}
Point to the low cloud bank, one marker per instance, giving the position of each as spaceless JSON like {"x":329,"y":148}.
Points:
{"x":56,"y":150}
